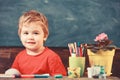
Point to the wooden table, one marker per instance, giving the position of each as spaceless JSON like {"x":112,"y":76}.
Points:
{"x":64,"y":78}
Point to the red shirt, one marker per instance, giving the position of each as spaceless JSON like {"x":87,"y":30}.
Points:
{"x":47,"y":62}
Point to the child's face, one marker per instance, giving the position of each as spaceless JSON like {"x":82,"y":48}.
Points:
{"x":32,"y":36}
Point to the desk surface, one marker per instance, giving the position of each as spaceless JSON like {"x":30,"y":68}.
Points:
{"x":64,"y":78}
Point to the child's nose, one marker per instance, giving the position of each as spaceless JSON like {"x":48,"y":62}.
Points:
{"x":30,"y":36}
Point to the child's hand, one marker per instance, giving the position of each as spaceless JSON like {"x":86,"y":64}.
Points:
{"x":12,"y":71}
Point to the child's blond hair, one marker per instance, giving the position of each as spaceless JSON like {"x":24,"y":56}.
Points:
{"x":33,"y":16}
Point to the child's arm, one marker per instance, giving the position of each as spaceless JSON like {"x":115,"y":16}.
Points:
{"x":56,"y":66}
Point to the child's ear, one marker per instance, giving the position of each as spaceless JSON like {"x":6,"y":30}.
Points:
{"x":45,"y":39}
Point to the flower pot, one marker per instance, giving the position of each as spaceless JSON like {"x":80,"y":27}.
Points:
{"x":102,"y":58}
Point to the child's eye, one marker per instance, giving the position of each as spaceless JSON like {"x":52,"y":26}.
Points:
{"x":36,"y":33}
{"x":25,"y":33}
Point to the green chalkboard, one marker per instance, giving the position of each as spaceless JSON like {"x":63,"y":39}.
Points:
{"x":69,"y":20}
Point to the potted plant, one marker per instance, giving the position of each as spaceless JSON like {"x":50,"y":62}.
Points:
{"x":102,"y":42}
{"x":101,"y":53}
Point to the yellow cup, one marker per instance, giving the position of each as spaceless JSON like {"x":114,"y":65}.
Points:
{"x":75,"y":62}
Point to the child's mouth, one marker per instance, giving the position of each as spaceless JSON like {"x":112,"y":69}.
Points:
{"x":30,"y":42}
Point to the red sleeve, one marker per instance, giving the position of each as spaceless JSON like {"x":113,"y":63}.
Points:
{"x":56,"y":66}
{"x":15,"y":63}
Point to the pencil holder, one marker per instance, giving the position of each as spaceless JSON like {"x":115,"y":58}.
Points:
{"x":75,"y":62}
{"x":102,"y":58}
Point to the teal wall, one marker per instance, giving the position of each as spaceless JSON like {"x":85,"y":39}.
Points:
{"x":69,"y":20}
